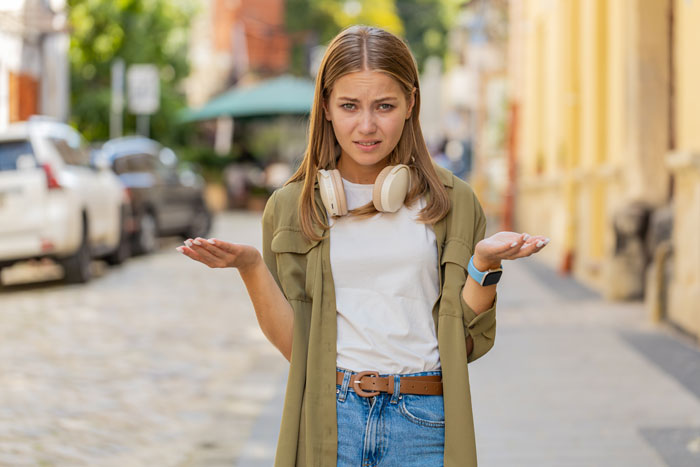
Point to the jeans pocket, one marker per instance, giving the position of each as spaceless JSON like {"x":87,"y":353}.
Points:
{"x":423,"y":410}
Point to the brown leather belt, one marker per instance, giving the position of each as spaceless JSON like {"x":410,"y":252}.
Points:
{"x":369,"y":383}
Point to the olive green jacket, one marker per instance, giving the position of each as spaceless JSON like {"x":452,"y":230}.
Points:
{"x":308,"y":434}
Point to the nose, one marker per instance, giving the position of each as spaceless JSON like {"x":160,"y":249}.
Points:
{"x":367,"y":123}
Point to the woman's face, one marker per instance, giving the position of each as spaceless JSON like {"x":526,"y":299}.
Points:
{"x":368,"y":110}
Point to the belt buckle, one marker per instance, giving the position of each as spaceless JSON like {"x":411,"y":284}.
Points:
{"x":358,"y":381}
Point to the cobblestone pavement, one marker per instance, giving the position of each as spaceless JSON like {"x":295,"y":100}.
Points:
{"x":158,"y":362}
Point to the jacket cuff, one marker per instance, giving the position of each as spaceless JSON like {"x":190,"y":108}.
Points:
{"x":476,"y":324}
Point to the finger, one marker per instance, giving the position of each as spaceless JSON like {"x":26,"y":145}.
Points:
{"x":517,"y":244}
{"x":208,"y":258}
{"x":209,"y":247}
{"x":521,"y":239}
{"x":207,"y":250}
{"x":191,"y":254}
{"x":535,"y":239}
{"x":506,"y":249}
{"x":231,"y":248}
{"x":532,"y":248}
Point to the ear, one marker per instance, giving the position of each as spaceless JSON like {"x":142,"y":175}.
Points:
{"x":411,"y":103}
{"x":326,"y":113}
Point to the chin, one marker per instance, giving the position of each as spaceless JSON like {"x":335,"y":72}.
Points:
{"x":368,"y":159}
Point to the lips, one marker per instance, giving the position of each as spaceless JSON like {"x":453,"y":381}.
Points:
{"x":368,"y":143}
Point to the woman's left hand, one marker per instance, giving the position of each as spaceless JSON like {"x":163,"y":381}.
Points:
{"x":490,"y":251}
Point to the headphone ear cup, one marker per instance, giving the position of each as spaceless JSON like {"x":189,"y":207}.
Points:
{"x":391,"y":187}
{"x":332,"y":193}
{"x":377,"y":190}
{"x":337,"y":181}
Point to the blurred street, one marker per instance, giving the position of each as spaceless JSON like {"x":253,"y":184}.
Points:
{"x":161,"y":362}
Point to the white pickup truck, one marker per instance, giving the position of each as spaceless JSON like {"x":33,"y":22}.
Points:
{"x":54,"y":204}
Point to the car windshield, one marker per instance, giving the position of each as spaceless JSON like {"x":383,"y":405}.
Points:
{"x":13,"y":154}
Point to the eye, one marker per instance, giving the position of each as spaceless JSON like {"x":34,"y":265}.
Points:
{"x":385,"y":106}
{"x":347,"y":106}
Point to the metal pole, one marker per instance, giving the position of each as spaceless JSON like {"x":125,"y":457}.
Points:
{"x":143,"y":124}
{"x":117,"y":103}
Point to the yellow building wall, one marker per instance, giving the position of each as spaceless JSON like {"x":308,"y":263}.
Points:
{"x":581,"y":98}
{"x":684,"y":299}
{"x":688,"y":74}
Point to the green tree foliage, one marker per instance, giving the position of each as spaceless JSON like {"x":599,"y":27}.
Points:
{"x":426,"y":23}
{"x":314,"y":22}
{"x":137,"y":31}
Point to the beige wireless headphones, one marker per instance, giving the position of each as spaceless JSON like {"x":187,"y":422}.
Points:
{"x":390,"y":189}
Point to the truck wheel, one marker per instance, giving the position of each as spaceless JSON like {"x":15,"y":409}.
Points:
{"x":77,"y":266}
{"x":147,"y":237}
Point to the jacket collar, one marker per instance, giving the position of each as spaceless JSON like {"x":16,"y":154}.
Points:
{"x":444,"y":175}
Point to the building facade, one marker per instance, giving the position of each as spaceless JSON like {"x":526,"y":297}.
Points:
{"x":34,"y":71}
{"x":231,"y":39}
{"x":684,"y":161}
{"x":603,"y":98}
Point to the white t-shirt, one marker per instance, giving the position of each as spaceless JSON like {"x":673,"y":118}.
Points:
{"x":385,"y":272}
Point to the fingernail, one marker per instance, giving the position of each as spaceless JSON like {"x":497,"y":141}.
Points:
{"x":196,"y":242}
{"x":188,"y":243}
{"x":539,"y":244}
{"x":526,"y":237}
{"x":211,"y":240}
{"x":546,"y":240}
{"x":180,"y":249}
{"x":514,"y":244}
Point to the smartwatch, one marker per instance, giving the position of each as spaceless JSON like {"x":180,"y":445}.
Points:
{"x":484,"y":278}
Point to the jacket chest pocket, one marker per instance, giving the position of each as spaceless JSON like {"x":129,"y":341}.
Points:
{"x":292,"y":250}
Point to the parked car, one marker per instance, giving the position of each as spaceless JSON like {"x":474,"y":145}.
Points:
{"x":163,"y":200}
{"x":54,"y":204}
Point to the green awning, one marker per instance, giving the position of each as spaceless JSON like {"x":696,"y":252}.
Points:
{"x":285,"y":95}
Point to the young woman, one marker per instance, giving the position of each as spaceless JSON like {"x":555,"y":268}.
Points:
{"x":375,"y":281}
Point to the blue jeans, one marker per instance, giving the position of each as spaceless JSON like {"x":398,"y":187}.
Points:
{"x":399,"y":430}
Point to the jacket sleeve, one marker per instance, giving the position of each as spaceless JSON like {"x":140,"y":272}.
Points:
{"x":268,"y":230}
{"x":481,"y":327}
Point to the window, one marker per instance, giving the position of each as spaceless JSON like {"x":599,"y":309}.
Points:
{"x":13,"y":154}
{"x":71,"y":154}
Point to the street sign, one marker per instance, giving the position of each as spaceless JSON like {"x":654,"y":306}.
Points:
{"x":143,"y":89}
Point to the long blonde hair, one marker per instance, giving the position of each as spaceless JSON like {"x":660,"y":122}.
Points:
{"x":359,"y":48}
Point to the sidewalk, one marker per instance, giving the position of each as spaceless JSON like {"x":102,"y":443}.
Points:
{"x":572,"y":381}
{"x":576,"y":381}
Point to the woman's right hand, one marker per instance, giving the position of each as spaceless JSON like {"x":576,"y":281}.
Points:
{"x":217,"y":253}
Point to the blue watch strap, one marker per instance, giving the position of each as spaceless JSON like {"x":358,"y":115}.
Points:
{"x":477,"y":275}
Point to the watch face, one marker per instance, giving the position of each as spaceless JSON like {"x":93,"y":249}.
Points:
{"x":492,"y":278}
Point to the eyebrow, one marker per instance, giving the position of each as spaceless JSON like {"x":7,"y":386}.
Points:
{"x":351,"y":99}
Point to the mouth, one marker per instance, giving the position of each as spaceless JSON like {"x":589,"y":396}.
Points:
{"x":368,"y":144}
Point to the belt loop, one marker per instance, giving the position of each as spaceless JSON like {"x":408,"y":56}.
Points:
{"x":397,"y":390}
{"x":343,"y":391}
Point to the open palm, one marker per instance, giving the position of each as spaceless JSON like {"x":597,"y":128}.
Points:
{"x":217,"y":253}
{"x":507,"y":245}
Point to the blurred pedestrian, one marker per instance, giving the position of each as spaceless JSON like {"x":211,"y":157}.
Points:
{"x":380,"y":286}
{"x":241,"y":177}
